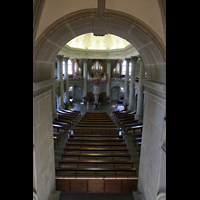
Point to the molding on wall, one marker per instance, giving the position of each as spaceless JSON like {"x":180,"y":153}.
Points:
{"x":126,"y":52}
{"x":156,"y":88}
{"x":42,"y":86}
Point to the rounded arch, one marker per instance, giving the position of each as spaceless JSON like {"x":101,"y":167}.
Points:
{"x":142,"y":37}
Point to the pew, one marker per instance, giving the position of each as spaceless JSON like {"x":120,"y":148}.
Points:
{"x":96,"y":120}
{"x":93,"y":125}
{"x":97,"y":162}
{"x":96,"y":155}
{"x":57,"y":135}
{"x":66,"y":125}
{"x":96,"y":130}
{"x":133,"y":128}
{"x":138,"y":134}
{"x":127,"y":171}
{"x":94,"y":140}
{"x":132,"y":125}
{"x":95,"y":150}
{"x":59,"y":127}
{"x":97,"y":123}
{"x":80,"y":144}
{"x":95,"y":136}
{"x":137,"y":139}
{"x":63,"y":120}
{"x":66,"y":117}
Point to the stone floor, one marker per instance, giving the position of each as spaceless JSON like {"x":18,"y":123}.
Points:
{"x":104,"y":107}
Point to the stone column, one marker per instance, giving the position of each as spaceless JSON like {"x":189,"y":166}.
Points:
{"x":85,"y":77}
{"x":53,"y":93}
{"x":66,"y":76}
{"x":60,"y":78}
{"x":126,"y":81}
{"x":132,"y":84}
{"x":139,"y":114}
{"x":108,"y":78}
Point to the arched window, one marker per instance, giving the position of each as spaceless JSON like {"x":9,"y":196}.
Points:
{"x":70,"y":71}
{"x":63,"y":68}
{"x":123,"y":68}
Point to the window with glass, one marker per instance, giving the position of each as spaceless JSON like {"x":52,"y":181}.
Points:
{"x":70,"y":71}
{"x":123,"y":68}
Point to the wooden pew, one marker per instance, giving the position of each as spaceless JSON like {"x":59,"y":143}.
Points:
{"x":63,"y":120}
{"x":95,"y":150}
{"x":131,"y":125}
{"x":95,"y":155}
{"x":94,"y":140}
{"x":95,"y":136}
{"x":133,"y":128}
{"x":59,"y":127}
{"x":96,"y":131}
{"x":66,"y":125}
{"x":66,"y":117}
{"x":137,"y":139}
{"x":96,"y":120}
{"x":81,"y":144}
{"x":127,"y":171}
{"x":97,"y":123}
{"x":138,"y":134}
{"x":57,"y":135}
{"x":96,"y":162}
{"x":93,"y":125}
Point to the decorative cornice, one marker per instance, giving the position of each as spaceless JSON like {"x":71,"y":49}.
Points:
{"x":126,"y":52}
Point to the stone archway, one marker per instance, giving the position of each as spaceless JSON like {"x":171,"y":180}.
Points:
{"x":152,"y":51}
{"x":142,"y":37}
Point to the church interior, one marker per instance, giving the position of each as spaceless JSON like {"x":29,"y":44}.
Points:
{"x":99,"y":99}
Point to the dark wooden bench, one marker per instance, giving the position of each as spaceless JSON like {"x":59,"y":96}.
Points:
{"x":97,"y":122}
{"x":72,"y":111}
{"x":137,"y":139}
{"x":63,"y":120}
{"x":131,"y":125}
{"x":129,"y":171}
{"x":94,"y":144}
{"x":95,"y":155}
{"x":96,"y":131}
{"x":95,"y":136}
{"x":66,"y":117}
{"x":57,"y":135}
{"x":96,"y":162}
{"x":66,"y":125}
{"x":59,"y":127}
{"x":55,"y":140}
{"x":138,"y":134}
{"x":69,"y":149}
{"x":93,"y":125}
{"x":94,"y":140}
{"x":133,"y":128}
{"x":125,"y":121}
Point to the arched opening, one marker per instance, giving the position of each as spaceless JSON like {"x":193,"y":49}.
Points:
{"x":145,"y":40}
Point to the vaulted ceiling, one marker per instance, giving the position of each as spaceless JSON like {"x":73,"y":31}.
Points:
{"x":106,"y":42}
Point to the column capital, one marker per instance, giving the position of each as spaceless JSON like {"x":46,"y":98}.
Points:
{"x":127,"y":59}
{"x":59,"y":57}
{"x":65,"y":59}
{"x":134,"y":58}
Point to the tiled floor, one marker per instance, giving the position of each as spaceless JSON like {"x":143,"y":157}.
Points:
{"x":104,"y":107}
